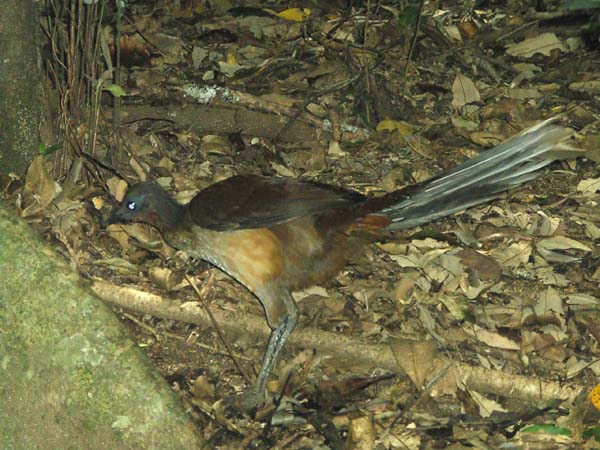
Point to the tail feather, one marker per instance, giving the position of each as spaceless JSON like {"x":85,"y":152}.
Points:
{"x":479,"y":179}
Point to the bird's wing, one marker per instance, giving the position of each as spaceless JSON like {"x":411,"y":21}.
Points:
{"x":251,"y":201}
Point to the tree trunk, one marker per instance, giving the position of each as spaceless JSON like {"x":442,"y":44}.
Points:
{"x":21,"y":96}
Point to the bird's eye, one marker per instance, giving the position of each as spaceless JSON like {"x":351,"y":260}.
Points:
{"x":131,"y":206}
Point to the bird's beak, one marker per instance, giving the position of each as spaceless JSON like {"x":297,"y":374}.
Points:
{"x":118,"y":216}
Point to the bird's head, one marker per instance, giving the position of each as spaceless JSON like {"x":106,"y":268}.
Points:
{"x":149,"y":203}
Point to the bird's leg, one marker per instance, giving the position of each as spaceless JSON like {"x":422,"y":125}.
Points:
{"x":276,"y":342}
{"x":279,"y":333}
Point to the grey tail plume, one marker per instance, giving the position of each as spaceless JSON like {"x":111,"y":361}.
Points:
{"x":478,"y":179}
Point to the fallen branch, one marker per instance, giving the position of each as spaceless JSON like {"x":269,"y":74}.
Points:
{"x":523,"y":387}
{"x":227,"y":111}
{"x":224,"y":119}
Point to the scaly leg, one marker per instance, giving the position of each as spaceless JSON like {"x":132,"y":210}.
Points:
{"x":276,"y":342}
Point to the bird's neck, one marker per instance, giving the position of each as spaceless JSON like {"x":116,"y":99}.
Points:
{"x":172,"y":214}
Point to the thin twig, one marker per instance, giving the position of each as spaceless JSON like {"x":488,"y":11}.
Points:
{"x":158,"y":335}
{"x":202,"y":295}
{"x":516,"y":30}
{"x":143,"y":36}
{"x":117,"y":73}
{"x":414,"y":39}
{"x":365,"y":68}
{"x":142,"y":325}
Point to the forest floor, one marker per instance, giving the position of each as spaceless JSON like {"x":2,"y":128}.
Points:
{"x":477,"y":331}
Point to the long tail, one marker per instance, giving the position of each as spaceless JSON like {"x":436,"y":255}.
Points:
{"x":479,"y":179}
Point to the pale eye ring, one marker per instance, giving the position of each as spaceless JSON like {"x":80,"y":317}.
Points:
{"x":131,"y":206}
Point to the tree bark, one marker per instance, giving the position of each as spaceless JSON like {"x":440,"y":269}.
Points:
{"x":21,"y":97}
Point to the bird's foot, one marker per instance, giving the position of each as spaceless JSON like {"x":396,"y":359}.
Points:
{"x":250,"y":402}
